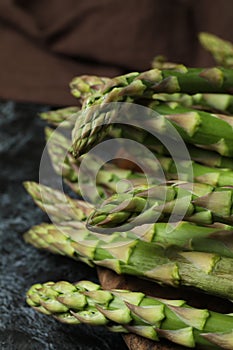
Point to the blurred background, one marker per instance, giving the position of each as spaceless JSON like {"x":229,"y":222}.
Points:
{"x":43,"y":45}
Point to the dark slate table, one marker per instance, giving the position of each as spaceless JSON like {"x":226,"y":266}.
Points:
{"x":21,"y":144}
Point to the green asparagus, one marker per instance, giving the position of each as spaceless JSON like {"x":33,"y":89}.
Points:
{"x":84,"y":86}
{"x":64,"y":117}
{"x":198,"y":155}
{"x":59,"y":206}
{"x":209,"y":158}
{"x":109,"y":175}
{"x":200,"y":173}
{"x":66,"y":165}
{"x":145,"y":205}
{"x":192,"y":80}
{"x":160,"y":62}
{"x":144,"y":85}
{"x":185,"y":235}
{"x":221,"y":50}
{"x":222,"y":103}
{"x":213,"y":131}
{"x":135,"y":312}
{"x":127,"y":254}
{"x":214,"y":239}
{"x":197,"y":103}
{"x":207,"y":130}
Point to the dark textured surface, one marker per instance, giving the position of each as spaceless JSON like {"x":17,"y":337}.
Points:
{"x":21,"y":144}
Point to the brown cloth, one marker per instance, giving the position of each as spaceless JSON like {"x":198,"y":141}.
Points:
{"x":43,"y":44}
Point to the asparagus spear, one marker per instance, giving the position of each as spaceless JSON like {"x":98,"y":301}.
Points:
{"x":146,"y":204}
{"x":192,"y":237}
{"x":64,"y":117}
{"x":133,"y":86}
{"x":59,"y":206}
{"x":66,"y":165}
{"x":185,"y":235}
{"x":135,"y":312}
{"x":211,"y":102}
{"x":84,"y":86}
{"x":211,"y":131}
{"x":202,"y":174}
{"x":222,"y":102}
{"x":221,"y":50}
{"x":56,"y":239}
{"x":62,"y":208}
{"x":127,"y":254}
{"x":206,"y":157}
{"x":160,"y":62}
{"x":192,"y":80}
{"x":223,"y":53}
{"x":107,"y":178}
{"x":209,"y":158}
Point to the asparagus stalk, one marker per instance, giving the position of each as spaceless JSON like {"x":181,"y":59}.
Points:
{"x":185,"y":235}
{"x":207,"y":130}
{"x":160,"y":62}
{"x":145,"y":84}
{"x":205,"y":157}
{"x":209,"y":158}
{"x":57,"y":239}
{"x":221,"y":102}
{"x":202,"y":204}
{"x":84,"y":86}
{"x":192,"y":237}
{"x":64,"y":117}
{"x":209,"y":272}
{"x":223,"y":53}
{"x":66,"y":165}
{"x":221,"y":50}
{"x":107,"y":178}
{"x":56,"y":204}
{"x":133,"y":86}
{"x":126,"y":311}
{"x":211,"y":102}
{"x":215,"y":204}
{"x":202,"y":174}
{"x":213,"y":131}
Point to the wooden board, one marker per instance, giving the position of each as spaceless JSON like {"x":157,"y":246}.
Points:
{"x":110,"y":280}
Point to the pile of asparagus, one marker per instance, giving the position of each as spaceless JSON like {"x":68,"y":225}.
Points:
{"x":195,"y":252}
